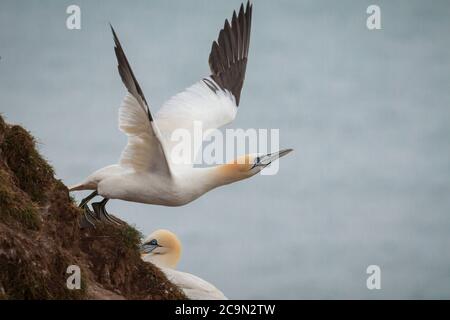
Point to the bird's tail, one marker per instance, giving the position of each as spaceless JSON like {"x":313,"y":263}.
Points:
{"x":83,"y":186}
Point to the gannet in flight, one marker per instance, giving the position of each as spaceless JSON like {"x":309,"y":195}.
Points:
{"x":163,"y":249}
{"x":146,"y":173}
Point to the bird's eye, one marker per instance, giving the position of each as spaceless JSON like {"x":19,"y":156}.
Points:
{"x":154,"y":242}
{"x":258,"y":159}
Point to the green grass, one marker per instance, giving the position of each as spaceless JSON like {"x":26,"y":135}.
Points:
{"x":131,"y":238}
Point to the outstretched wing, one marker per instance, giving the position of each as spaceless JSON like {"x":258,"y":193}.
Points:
{"x":213,"y":101}
{"x":228,"y":57}
{"x":144,"y":150}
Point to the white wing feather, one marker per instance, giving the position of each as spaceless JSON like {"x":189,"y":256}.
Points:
{"x":144,"y":151}
{"x":197,"y":103}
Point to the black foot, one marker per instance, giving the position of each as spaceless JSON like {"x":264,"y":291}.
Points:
{"x":103,"y":215}
{"x":87,"y":219}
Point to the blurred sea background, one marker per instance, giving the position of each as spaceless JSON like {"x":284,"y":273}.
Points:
{"x":367,"y":112}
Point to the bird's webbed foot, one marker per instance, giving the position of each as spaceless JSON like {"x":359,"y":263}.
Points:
{"x":87,"y":219}
{"x":103,"y":215}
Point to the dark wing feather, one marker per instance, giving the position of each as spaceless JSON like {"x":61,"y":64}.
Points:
{"x":228,"y":57}
{"x":127,"y":75}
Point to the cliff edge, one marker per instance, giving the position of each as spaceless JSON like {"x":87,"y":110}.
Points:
{"x":40,"y":237}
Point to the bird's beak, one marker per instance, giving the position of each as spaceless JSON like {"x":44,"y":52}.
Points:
{"x":264,"y":161}
{"x":147,"y":248}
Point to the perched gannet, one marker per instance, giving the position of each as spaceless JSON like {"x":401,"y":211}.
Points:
{"x":163,"y":249}
{"x":146,"y":172}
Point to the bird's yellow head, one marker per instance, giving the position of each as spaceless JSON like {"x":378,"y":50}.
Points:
{"x":248,"y":165}
{"x":162,"y":248}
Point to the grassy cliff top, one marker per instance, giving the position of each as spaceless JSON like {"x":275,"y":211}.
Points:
{"x":40,"y":237}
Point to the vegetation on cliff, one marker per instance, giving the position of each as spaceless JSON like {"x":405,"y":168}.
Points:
{"x":40,"y":237}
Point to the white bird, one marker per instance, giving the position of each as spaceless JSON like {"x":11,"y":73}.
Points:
{"x":146,"y":172}
{"x":163,"y":249}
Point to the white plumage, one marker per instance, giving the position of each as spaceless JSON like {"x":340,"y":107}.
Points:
{"x":197,"y":103}
{"x":193,"y":287}
{"x":143,"y":152}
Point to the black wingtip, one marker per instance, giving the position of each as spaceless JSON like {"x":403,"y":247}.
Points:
{"x":116,"y":39}
{"x":127,"y":75}
{"x":228,"y":56}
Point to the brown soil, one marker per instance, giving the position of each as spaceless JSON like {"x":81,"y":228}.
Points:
{"x":40,"y":237}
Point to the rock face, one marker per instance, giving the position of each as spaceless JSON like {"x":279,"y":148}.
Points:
{"x":40,"y":237}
